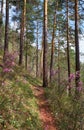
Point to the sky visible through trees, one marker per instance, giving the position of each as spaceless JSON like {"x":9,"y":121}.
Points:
{"x":82,"y":49}
{"x":12,"y":24}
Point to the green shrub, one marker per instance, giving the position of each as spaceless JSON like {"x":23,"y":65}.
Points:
{"x":69,"y":112}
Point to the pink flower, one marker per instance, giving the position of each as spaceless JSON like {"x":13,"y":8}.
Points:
{"x":3,"y":84}
{"x":13,"y":63}
{"x":72,"y":77}
{"x":80,"y":83}
{"x":6,"y":70}
{"x":77,"y":74}
{"x":80,"y":86}
{"x":9,"y":62}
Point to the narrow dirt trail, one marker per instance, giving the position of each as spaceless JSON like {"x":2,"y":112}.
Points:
{"x":45,"y":114}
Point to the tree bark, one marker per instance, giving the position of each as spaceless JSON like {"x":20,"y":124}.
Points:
{"x":58,"y":65}
{"x":26,"y":56}
{"x":37,"y":52}
{"x":77,"y":59}
{"x":22,"y":33}
{"x":45,"y":71}
{"x":1,"y":21}
{"x":41,"y":60}
{"x":6,"y":29}
{"x":68,"y":54}
{"x":2,"y":7}
{"x":53,"y":44}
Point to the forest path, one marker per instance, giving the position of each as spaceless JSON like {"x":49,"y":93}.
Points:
{"x":45,"y":113}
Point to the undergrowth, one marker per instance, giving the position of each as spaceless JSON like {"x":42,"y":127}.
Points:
{"x":18,"y":105}
{"x":68,"y":111}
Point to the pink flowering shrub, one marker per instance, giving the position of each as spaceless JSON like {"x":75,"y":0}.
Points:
{"x":9,"y":62}
{"x":6,"y":70}
{"x":72,"y":77}
{"x":80,"y":86}
{"x":69,"y":110}
{"x":8,"y":66}
{"x":72,"y":81}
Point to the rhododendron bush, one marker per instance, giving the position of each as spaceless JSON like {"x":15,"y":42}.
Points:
{"x":71,"y":83}
{"x":68,"y":109}
{"x":9,"y":62}
{"x":8,"y":66}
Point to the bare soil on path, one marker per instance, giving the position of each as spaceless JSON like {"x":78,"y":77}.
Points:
{"x":45,"y":113}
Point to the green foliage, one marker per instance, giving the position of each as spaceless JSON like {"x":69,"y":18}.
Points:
{"x":34,"y":81}
{"x":68,"y":111}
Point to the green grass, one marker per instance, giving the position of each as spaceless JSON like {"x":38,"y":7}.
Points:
{"x":33,"y":80}
{"x":18,"y":105}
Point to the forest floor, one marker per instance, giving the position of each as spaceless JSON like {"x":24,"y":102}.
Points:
{"x":23,"y":105}
{"x":46,"y":116}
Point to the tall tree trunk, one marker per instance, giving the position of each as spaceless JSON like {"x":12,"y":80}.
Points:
{"x":77,"y":60}
{"x":58,"y":66}
{"x":45,"y":71}
{"x":52,"y":44}
{"x":26,"y":56}
{"x":2,"y":7}
{"x":41,"y":60}
{"x":1,"y":21}
{"x":6,"y":28}
{"x":68,"y":55}
{"x":22,"y":33}
{"x":37,"y":52}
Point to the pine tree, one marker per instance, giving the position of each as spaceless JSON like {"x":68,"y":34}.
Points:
{"x":52,"y":43}
{"x":6,"y":29}
{"x":77,"y":60}
{"x":22,"y":26}
{"x":45,"y":71}
{"x":68,"y":55}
